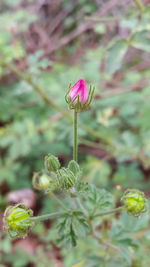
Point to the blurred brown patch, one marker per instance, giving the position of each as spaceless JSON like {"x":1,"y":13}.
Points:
{"x":25,"y":196}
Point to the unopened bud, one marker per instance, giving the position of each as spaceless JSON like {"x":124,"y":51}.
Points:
{"x":40,"y":181}
{"x":74,"y":167}
{"x":66,"y":178}
{"x":17,"y":220}
{"x":51,"y":163}
{"x":134,"y":202}
{"x":78,"y":97}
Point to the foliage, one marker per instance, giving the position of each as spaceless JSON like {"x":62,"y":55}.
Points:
{"x":114,"y":135}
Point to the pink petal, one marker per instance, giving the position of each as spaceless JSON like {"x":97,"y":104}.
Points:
{"x":79,"y":88}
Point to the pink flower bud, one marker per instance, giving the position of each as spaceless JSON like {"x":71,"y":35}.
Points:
{"x":80,"y":89}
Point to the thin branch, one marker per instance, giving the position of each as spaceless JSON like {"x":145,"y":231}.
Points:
{"x":139,"y":5}
{"x":46,"y":216}
{"x":141,"y":233}
{"x":109,"y":212}
{"x":115,"y":92}
{"x":83,"y":27}
{"x":103,"y":19}
{"x":58,"y":19}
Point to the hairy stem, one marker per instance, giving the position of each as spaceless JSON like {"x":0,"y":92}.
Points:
{"x":46,"y":216}
{"x":75,"y":144}
{"x":109,"y":212}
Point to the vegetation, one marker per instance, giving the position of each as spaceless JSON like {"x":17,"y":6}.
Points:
{"x":45,"y":47}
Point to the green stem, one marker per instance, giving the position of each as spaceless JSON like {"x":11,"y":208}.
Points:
{"x":75,"y":145}
{"x":139,"y":5}
{"x":109,"y":212}
{"x":46,"y":216}
{"x":58,"y":202}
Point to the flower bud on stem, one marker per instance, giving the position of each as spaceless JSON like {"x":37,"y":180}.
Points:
{"x":134,"y":202}
{"x":78,"y":98}
{"x":18,"y":220}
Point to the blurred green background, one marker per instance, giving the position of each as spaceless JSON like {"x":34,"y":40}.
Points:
{"x":44,"y":46}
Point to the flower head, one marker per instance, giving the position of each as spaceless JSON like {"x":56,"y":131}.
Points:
{"x":78,"y":96}
{"x":17,"y":220}
{"x":134,"y":202}
{"x":79,"y":89}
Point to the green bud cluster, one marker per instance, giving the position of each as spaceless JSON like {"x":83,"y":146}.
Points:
{"x":134,"y":202}
{"x":55,"y":177}
{"x":17,"y":220}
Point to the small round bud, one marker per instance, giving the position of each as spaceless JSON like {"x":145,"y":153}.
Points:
{"x":51,"y":163}
{"x":17,"y":220}
{"x":134,"y":202}
{"x":40,"y":181}
{"x":74,"y":167}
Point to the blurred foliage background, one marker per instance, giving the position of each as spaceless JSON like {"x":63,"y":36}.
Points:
{"x":44,"y":46}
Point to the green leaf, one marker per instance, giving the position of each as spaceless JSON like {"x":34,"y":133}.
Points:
{"x":141,"y":40}
{"x":115,"y":54}
{"x":98,"y":200}
{"x":73,"y":236}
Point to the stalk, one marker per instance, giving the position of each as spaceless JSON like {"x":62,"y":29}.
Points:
{"x":46,"y":216}
{"x":75,"y":145}
{"x":109,"y":212}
